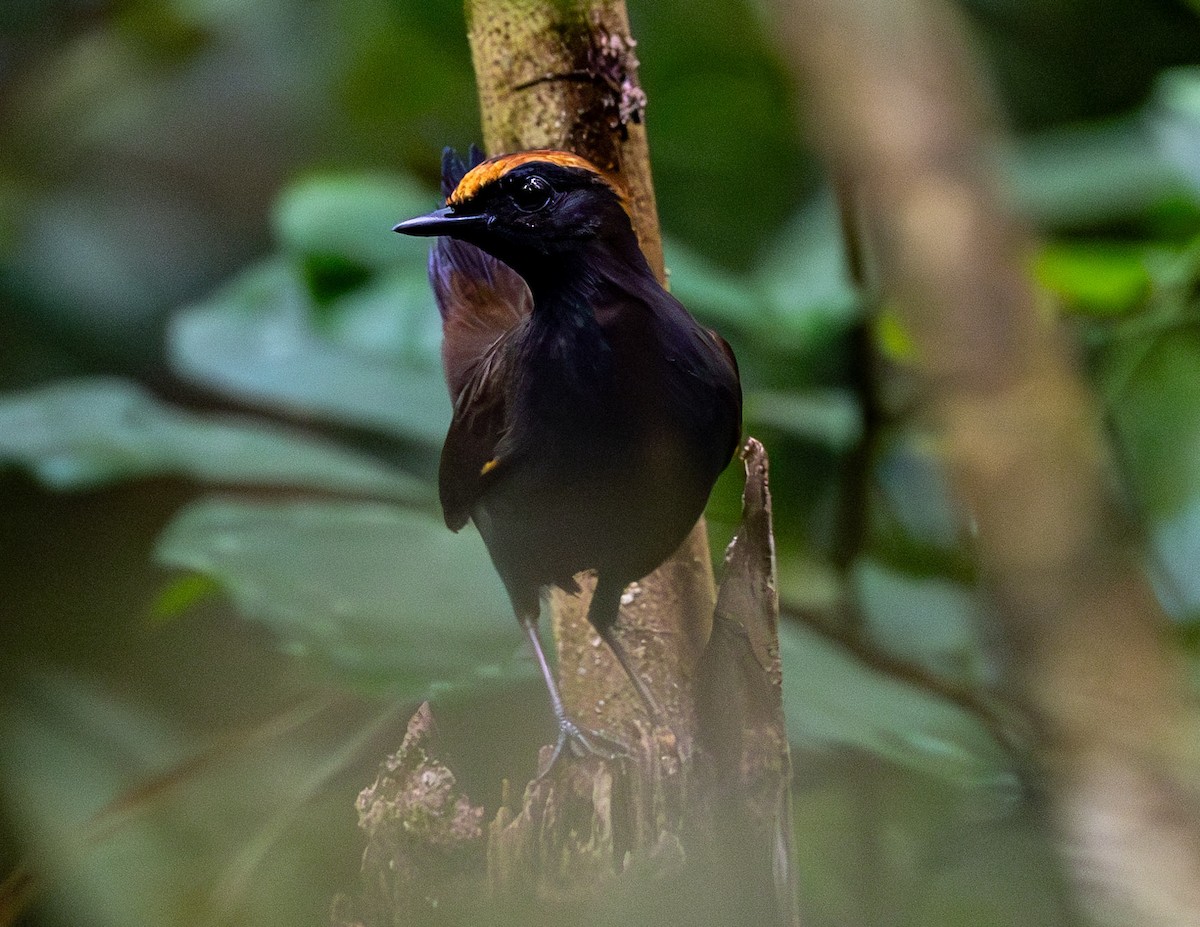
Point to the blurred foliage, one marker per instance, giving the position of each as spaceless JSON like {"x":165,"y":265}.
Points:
{"x":199,"y":294}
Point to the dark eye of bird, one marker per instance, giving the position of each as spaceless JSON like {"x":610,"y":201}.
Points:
{"x":532,"y":194}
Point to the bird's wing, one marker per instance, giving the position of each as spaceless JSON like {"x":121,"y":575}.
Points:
{"x":478,"y":297}
{"x":734,"y":394}
{"x":472,"y":456}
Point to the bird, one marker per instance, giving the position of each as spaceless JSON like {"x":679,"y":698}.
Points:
{"x":592,"y":414}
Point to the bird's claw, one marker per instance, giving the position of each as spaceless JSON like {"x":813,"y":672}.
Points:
{"x":582,"y":744}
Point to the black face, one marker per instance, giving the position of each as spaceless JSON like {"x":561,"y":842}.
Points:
{"x":534,"y":210}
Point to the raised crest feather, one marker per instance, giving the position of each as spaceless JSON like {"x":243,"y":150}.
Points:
{"x":453,"y":168}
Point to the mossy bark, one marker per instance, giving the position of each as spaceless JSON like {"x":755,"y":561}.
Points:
{"x":563,"y":74}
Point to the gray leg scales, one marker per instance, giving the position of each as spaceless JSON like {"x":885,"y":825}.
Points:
{"x":603,"y":614}
{"x":652,"y":707}
{"x":582,"y":743}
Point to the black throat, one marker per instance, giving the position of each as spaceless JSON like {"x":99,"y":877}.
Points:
{"x":579,"y":279}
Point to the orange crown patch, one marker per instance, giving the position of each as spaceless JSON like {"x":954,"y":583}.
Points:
{"x":493,"y":169}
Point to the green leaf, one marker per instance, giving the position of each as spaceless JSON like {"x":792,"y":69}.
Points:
{"x":350,"y":216}
{"x":394,"y":319}
{"x":329,"y":276}
{"x":804,"y":275}
{"x":799,"y":293}
{"x":927,"y":621}
{"x":259,"y":342}
{"x":1156,"y":418}
{"x":1176,"y":111}
{"x":133,"y":820}
{"x":1175,"y":545}
{"x":81,"y":433}
{"x":892,"y":336}
{"x":1156,"y":415}
{"x":711,"y":293}
{"x":181,"y":595}
{"x":915,"y":521}
{"x":1098,"y":278}
{"x":382,"y":592}
{"x":832,"y":699}
{"x":830,"y":417}
{"x":1093,"y":174}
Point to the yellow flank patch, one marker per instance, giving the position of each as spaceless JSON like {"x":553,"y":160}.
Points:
{"x":493,"y":169}
{"x":489,"y":466}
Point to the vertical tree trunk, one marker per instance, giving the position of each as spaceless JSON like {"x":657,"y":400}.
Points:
{"x":563,"y":74}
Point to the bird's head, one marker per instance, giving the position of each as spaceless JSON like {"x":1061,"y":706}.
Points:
{"x":524,"y":208}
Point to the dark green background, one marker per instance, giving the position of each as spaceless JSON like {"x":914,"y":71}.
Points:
{"x":220,"y":410}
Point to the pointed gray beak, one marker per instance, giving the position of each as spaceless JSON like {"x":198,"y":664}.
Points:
{"x":440,"y":222}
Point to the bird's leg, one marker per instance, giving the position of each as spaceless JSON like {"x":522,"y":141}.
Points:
{"x":652,"y":707}
{"x":568,"y":731}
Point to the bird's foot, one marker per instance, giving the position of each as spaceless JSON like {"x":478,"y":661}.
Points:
{"x":582,"y":743}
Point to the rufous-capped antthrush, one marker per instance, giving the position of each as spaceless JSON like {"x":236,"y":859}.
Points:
{"x":592,"y":413}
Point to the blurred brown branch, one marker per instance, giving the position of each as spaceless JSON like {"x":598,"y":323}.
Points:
{"x":896,"y":104}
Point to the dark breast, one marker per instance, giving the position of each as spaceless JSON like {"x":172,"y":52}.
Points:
{"x":621,"y":424}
